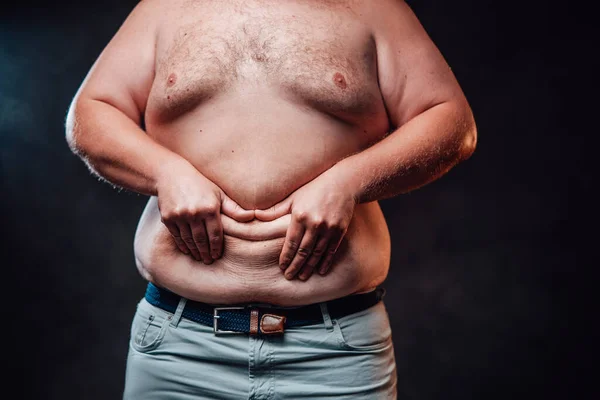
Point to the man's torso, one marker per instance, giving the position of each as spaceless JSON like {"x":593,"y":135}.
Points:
{"x":261,"y":97}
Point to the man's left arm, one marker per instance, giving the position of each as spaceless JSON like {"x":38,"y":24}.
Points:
{"x":435,"y":125}
{"x":434,"y":130}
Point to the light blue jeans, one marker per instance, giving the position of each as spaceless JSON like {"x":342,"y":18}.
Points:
{"x":171,"y":357}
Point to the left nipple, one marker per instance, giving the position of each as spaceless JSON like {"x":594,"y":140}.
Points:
{"x":339,"y":80}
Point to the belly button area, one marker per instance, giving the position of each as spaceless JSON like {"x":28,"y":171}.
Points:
{"x":339,"y":80}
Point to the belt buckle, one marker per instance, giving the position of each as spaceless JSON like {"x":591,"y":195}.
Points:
{"x":216,"y":317}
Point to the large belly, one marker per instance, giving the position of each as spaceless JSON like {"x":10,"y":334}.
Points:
{"x":248,"y":271}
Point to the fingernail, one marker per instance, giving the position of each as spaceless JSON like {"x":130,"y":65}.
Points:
{"x":282,"y":266}
{"x":215,"y":255}
{"x":289,"y":276}
{"x":322,"y":270}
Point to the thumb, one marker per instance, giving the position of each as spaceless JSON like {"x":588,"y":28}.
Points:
{"x":278,"y":210}
{"x":235,"y":211}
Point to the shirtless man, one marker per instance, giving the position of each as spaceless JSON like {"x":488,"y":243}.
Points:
{"x":264,"y":133}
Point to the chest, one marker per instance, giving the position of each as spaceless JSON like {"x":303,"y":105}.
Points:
{"x":322,"y":57}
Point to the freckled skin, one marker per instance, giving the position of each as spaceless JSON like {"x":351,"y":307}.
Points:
{"x":340,"y":80}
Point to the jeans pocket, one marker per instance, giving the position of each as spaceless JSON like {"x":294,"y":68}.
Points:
{"x":149,"y":326}
{"x":367,"y":330}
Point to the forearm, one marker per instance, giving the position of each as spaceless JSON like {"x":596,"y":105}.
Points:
{"x":419,"y":152}
{"x":115,"y":148}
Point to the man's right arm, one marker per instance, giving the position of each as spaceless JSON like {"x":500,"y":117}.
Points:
{"x":103,"y":123}
{"x":104,"y":128}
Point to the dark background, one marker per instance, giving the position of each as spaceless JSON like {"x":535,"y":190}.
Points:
{"x":485,"y":261}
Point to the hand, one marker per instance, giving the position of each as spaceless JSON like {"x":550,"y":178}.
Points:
{"x":190,"y":206}
{"x":321,"y":213}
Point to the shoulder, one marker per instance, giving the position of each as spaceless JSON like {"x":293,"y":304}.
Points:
{"x":382,"y":15}
{"x":156,"y":9}
{"x":148,"y":16}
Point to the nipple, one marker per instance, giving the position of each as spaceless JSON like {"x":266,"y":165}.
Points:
{"x":171,"y":79}
{"x":339,"y":80}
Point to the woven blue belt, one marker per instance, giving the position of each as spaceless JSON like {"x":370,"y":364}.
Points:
{"x":236,"y":318}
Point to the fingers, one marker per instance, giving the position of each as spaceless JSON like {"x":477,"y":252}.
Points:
{"x":311,"y":244}
{"x":174,"y":230}
{"x":334,"y":244}
{"x":235,"y":211}
{"x":278,"y":210}
{"x":292,"y":241}
{"x":214,"y":231}
{"x":187,"y":235}
{"x":303,"y":250}
{"x":197,"y":230}
{"x":201,"y":240}
{"x":315,"y":257}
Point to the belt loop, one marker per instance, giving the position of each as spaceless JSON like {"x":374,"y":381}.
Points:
{"x":178,"y":313}
{"x":326,"y":316}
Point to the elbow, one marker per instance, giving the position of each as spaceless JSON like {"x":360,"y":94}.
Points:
{"x":74,"y":131}
{"x":467,"y":135}
{"x":71,"y":129}
{"x":469,"y":142}
{"x":80,"y":144}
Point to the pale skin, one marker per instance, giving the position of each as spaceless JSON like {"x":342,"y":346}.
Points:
{"x":264,"y":133}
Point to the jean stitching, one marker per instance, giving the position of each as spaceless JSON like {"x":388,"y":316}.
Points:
{"x":155,"y":343}
{"x":143,"y":334}
{"x":345,"y":344}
